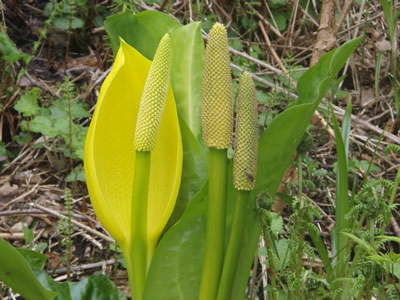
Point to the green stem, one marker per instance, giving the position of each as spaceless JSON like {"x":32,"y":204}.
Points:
{"x":137,"y":258}
{"x":215,"y":235}
{"x":234,"y":245}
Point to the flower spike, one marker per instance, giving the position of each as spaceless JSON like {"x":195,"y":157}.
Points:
{"x":153,"y":98}
{"x":217,"y":109}
{"x":246,"y":142}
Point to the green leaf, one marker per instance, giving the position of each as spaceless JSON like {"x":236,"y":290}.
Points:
{"x":62,"y":23}
{"x":94,"y":287}
{"x":262,"y":251}
{"x":144,"y":31}
{"x":46,"y":126}
{"x":367,"y":247}
{"x":78,"y":140}
{"x":284,"y":133}
{"x":60,"y":110}
{"x":16,"y":273}
{"x":76,"y":174}
{"x":346,"y":127}
{"x":65,"y":23}
{"x":342,"y":197}
{"x":186,"y":73}
{"x":194,"y":171}
{"x":27,"y":104}
{"x":277,"y":3}
{"x":281,"y":19}
{"x":387,"y":238}
{"x":8,"y":49}
{"x":28,"y":235}
{"x":175,"y":270}
{"x":35,"y":259}
{"x":62,"y":289}
{"x":3,"y":150}
{"x":77,"y":23}
{"x":276,"y":224}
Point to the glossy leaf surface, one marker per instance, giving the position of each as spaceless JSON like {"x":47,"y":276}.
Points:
{"x":94,"y":287}
{"x":180,"y":254}
{"x":17,"y":274}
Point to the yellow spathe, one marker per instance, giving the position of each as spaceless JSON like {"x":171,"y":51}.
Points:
{"x":110,"y":154}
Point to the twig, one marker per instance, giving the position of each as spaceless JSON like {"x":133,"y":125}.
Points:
{"x":87,"y":228}
{"x":35,"y":212}
{"x":343,"y":13}
{"x":85,"y":267}
{"x":271,"y":49}
{"x":12,"y":236}
{"x":262,"y":18}
{"x":326,"y":38}
{"x":20,"y":197}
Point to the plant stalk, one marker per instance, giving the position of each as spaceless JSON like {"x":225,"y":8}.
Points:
{"x":137,"y":261}
{"x":234,"y":245}
{"x":215,"y":234}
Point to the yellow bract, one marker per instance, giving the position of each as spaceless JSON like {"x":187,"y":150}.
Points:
{"x":110,"y":153}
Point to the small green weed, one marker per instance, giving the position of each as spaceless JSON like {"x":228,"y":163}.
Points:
{"x":55,"y":120}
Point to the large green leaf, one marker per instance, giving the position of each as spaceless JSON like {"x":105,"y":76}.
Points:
{"x":342,"y":201}
{"x":285,"y":132}
{"x":35,"y":259}
{"x":194,"y":171}
{"x":176,"y":268}
{"x":94,"y":287}
{"x":16,"y":273}
{"x":186,"y":73}
{"x":144,"y":31}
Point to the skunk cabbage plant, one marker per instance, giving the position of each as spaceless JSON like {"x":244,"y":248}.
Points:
{"x":110,"y":156}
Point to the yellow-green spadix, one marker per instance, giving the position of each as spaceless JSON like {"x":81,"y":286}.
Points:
{"x":110,"y":152}
{"x":153,"y":98}
{"x":217,"y":110}
{"x":246,"y":138}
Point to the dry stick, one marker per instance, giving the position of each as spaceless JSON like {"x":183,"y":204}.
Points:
{"x":13,"y":236}
{"x":262,"y":18}
{"x":87,"y":228}
{"x":326,"y":37}
{"x":293,"y":21}
{"x":343,"y":13}
{"x":85,"y":267}
{"x":273,"y":52}
{"x":20,"y":197}
{"x":272,"y":17}
{"x":35,"y":212}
